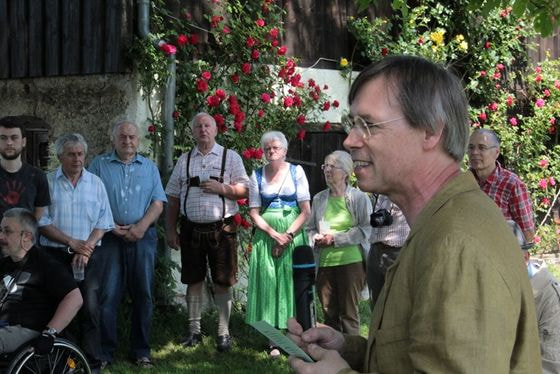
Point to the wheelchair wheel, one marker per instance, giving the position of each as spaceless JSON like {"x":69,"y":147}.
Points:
{"x":66,"y":358}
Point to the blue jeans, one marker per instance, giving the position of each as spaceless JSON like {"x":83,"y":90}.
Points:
{"x":131,"y":264}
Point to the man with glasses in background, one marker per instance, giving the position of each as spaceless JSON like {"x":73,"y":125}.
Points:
{"x":36,"y":293}
{"x":457,"y":299}
{"x":503,"y":186}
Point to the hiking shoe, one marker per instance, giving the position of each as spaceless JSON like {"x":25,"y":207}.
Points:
{"x":192,"y":340}
{"x":224,"y":343}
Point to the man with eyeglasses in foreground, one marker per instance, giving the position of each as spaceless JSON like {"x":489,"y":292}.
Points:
{"x":503,"y":186}
{"x":457,"y":299}
{"x":36,"y":292}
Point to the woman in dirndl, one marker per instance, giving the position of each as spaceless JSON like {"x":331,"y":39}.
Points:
{"x":279,"y":207}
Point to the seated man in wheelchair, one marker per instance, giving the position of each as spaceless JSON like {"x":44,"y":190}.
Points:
{"x":38,"y":295}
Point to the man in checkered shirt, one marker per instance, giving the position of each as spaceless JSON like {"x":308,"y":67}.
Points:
{"x":504,"y":187}
{"x":202,"y":191}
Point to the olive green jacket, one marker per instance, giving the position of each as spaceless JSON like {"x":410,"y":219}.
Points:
{"x":458,"y":299}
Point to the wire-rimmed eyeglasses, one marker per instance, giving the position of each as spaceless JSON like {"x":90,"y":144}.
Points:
{"x":362,"y":126}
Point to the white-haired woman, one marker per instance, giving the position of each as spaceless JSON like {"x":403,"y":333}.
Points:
{"x":279,"y":206}
{"x":339,"y":229}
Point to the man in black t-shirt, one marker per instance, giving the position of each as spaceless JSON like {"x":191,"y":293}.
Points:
{"x":36,"y":292}
{"x":21,"y":185}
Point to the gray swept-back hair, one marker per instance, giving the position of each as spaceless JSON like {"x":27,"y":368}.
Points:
{"x":430,"y":97}
{"x":69,"y":138}
{"x":118,"y":124}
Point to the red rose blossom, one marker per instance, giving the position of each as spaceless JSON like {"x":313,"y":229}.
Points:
{"x":220,"y":93}
{"x":273,"y":33}
{"x":237,"y":219}
{"x":194,"y":39}
{"x":326,"y":126}
{"x":487,"y":45}
{"x":326,"y":106}
{"x":175,"y":114}
{"x":301,"y":119}
{"x":282,"y":50}
{"x":206,"y":75}
{"x":250,"y":42}
{"x":168,"y":49}
{"x":151,"y":129}
{"x":384,"y":51}
{"x":255,"y":54}
{"x":182,"y":40}
{"x":301,"y":134}
{"x":213,"y":101}
{"x":220,"y":120}
{"x":260,"y":22}
{"x":234,"y":78}
{"x":201,"y":85}
{"x":246,"y":68}
{"x":335,"y":103}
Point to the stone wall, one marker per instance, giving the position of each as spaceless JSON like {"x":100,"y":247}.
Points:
{"x":84,"y":104}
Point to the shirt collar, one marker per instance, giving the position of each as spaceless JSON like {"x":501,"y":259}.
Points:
{"x":493,"y":177}
{"x":114,"y":157}
{"x":215,"y":150}
{"x":85,"y":177}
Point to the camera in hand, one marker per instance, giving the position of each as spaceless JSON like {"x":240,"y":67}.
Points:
{"x":381,"y":218}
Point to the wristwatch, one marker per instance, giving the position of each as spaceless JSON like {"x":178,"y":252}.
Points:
{"x":51,"y":331}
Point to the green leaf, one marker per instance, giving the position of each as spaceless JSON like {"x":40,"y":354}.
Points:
{"x":543,"y":24}
{"x":363,"y":5}
{"x":519,"y":7}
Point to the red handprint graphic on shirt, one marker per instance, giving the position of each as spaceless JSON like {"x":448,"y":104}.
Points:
{"x":14,"y":190}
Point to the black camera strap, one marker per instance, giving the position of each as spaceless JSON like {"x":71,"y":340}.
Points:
{"x":221,"y":180}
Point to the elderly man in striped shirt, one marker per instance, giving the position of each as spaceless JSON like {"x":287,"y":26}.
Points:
{"x":73,"y":225}
{"x":503,"y":186}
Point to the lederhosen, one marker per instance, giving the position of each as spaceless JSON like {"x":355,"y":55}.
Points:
{"x":203,"y":243}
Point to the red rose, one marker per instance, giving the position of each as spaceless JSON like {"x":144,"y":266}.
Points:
{"x":238,"y":127}
{"x":297,"y":100}
{"x":421,"y":41}
{"x":325,"y":87}
{"x":335,"y":103}
{"x":213,"y":101}
{"x":255,"y":54}
{"x":258,"y":153}
{"x":242,"y":202}
{"x":274,"y":43}
{"x":273,"y":33}
{"x":326,"y":106}
{"x":168,"y":49}
{"x":487,"y":45}
{"x":318,"y":89}
{"x":311,"y":83}
{"x":288,"y":102}
{"x":215,"y":20}
{"x":194,"y":39}
{"x":314,"y":95}
{"x":151,"y":129}
{"x":326,"y":126}
{"x":282,"y":50}
{"x":482,"y":116}
{"x":206,"y":75}
{"x":175,"y":114}
{"x":538,"y":78}
{"x":226,"y":30}
{"x":301,"y":134}
{"x":260,"y":22}
{"x":201,"y":85}
{"x":246,"y":68}
{"x":237,"y":219}
{"x":384,"y":51}
{"x":250,"y":42}
{"x":182,"y":40}
{"x":497,"y":75}
{"x":301,"y":119}
{"x":265,"y":98}
{"x":220,"y":120}
{"x":247,"y":154}
{"x":500,"y":66}
{"x":260,"y":113}
{"x":509,"y":101}
{"x":493,"y":106}
{"x":245,"y":224}
{"x":234,"y":78}
{"x":220,"y":93}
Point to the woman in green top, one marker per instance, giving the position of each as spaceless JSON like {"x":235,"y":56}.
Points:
{"x":339,"y":230}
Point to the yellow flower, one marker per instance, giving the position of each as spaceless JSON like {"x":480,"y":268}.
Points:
{"x":463,"y":46}
{"x":459,"y":38}
{"x":437,"y":37}
{"x":343,"y":62}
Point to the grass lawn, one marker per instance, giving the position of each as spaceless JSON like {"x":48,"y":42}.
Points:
{"x":248,"y":353}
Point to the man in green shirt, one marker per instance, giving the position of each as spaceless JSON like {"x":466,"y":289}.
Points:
{"x":457,"y":299}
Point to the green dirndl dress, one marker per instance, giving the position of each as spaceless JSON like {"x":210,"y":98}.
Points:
{"x":270,"y":295}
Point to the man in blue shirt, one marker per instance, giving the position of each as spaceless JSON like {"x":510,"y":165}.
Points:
{"x":136,"y":197}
